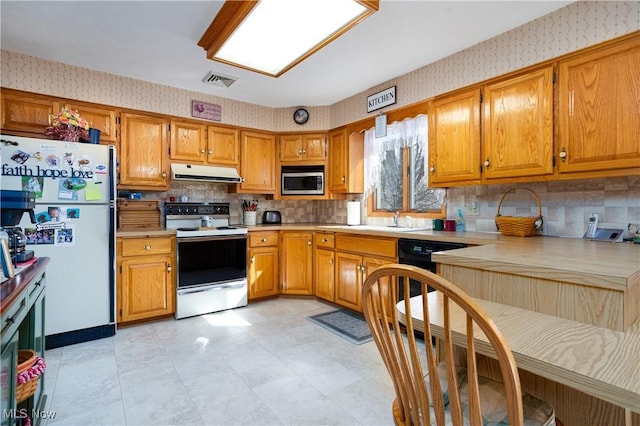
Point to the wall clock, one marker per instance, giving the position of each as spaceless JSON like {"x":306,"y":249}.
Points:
{"x":301,"y":116}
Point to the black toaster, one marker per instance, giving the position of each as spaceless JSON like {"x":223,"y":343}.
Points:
{"x":271,"y":217}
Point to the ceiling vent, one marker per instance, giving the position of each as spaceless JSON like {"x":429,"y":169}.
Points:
{"x":219,"y":80}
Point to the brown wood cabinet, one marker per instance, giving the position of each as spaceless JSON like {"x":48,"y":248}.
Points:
{"x":599,"y":117}
{"x":296,"y":268}
{"x":146,"y":284}
{"x":263,"y":264}
{"x":324,"y":265}
{"x":99,"y":117}
{"x":258,"y":163}
{"x":26,"y":114}
{"x":454,"y":138}
{"x":356,"y":257}
{"x":196,"y":143}
{"x":303,"y":148}
{"x":188,"y":141}
{"x":346,"y":162}
{"x":518,"y":126}
{"x":144,"y":152}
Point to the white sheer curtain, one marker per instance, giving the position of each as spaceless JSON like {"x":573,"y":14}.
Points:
{"x":399,"y":135}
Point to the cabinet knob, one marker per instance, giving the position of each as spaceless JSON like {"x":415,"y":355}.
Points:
{"x":168,"y":268}
{"x":264,"y":240}
{"x":563,"y":154}
{"x":331,"y":261}
{"x":344,"y":179}
{"x":164,"y":174}
{"x":210,"y":152}
{"x":147,"y":247}
{"x":487,"y":163}
{"x":304,"y":151}
{"x":202,"y":151}
{"x":309,"y":242}
{"x":299,"y":152}
{"x":253,"y":259}
{"x":324,"y":240}
{"x":432,"y":169}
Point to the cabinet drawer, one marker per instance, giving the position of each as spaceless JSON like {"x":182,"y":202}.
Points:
{"x":144,"y":246}
{"x":386,"y":247}
{"x":325,"y":240}
{"x":263,"y":239}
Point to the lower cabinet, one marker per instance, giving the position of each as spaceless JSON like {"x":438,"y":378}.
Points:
{"x":356,"y":257}
{"x":263,"y":264}
{"x":296,"y":270}
{"x":324,"y":265}
{"x":147,"y":286}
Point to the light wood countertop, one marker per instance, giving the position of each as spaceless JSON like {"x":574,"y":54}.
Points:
{"x":595,"y":360}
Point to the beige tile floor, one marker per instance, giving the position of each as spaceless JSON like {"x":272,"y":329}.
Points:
{"x":264,"y":364}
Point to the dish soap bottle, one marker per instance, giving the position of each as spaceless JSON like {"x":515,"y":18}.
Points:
{"x":460,"y":221}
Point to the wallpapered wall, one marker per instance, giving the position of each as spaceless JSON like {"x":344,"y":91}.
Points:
{"x":566,"y":204}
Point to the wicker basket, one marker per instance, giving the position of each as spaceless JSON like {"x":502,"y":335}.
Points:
{"x":26,"y":359}
{"x":519,"y":226}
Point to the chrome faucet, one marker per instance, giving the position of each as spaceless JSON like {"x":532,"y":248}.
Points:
{"x":395,"y":218}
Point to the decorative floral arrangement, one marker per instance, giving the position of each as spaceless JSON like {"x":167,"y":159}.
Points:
{"x":33,"y":372}
{"x":67,"y":125}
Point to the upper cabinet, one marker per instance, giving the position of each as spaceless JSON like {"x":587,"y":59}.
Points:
{"x":188,"y":141}
{"x":517,"y":126}
{"x":257,"y":163}
{"x":197,"y":143}
{"x":303,"y":148}
{"x":599,"y":117}
{"x":454,"y":138}
{"x":26,"y":114}
{"x":346,"y":162}
{"x":98,"y":117}
{"x":144,"y":152}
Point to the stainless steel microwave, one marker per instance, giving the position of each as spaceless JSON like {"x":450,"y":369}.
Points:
{"x":302,"y":180}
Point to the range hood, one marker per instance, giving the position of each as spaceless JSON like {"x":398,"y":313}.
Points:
{"x":199,"y":173}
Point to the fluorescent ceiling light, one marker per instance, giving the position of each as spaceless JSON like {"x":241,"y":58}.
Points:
{"x":272,"y":36}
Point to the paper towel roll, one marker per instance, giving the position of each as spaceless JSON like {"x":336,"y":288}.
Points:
{"x":353,"y":212}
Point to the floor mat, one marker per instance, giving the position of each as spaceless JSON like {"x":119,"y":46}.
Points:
{"x":346,"y":324}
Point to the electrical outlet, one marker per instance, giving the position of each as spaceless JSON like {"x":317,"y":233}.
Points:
{"x":473,"y":209}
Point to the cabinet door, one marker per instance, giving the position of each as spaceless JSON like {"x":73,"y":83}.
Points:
{"x":258,"y":165}
{"x":454,"y":138}
{"x":9,"y":366}
{"x":598,"y":110}
{"x":290,"y":148}
{"x":188,"y":141}
{"x":147,"y":287}
{"x":144,"y":152}
{"x":263,"y":272}
{"x":348,"y":280}
{"x":103,"y":119}
{"x":338,"y":161}
{"x":324,"y":274}
{"x":223,"y":146}
{"x":518,"y":126}
{"x":296,"y":269}
{"x":314,"y":147}
{"x":27,"y":114}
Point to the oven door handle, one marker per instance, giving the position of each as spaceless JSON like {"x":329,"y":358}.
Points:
{"x":210,"y":288}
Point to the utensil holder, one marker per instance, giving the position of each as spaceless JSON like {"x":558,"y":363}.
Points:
{"x":249,"y":218}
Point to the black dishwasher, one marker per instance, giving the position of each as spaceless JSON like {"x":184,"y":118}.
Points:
{"x":418,"y":253}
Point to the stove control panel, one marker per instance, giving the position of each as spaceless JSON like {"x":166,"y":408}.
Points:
{"x":203,"y":209}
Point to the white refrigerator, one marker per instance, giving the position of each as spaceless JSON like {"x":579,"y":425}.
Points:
{"x":75,"y":213}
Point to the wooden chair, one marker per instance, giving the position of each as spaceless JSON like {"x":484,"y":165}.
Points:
{"x":432,"y":392}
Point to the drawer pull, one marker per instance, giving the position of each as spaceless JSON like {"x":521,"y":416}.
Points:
{"x":147,"y":247}
{"x":265,"y":240}
{"x":324,"y":240}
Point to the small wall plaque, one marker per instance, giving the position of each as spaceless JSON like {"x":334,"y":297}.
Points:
{"x":207,"y":111}
{"x":381,"y":99}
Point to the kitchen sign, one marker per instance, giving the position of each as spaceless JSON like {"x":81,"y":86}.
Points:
{"x":381,"y":99}
{"x":207,"y":111}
